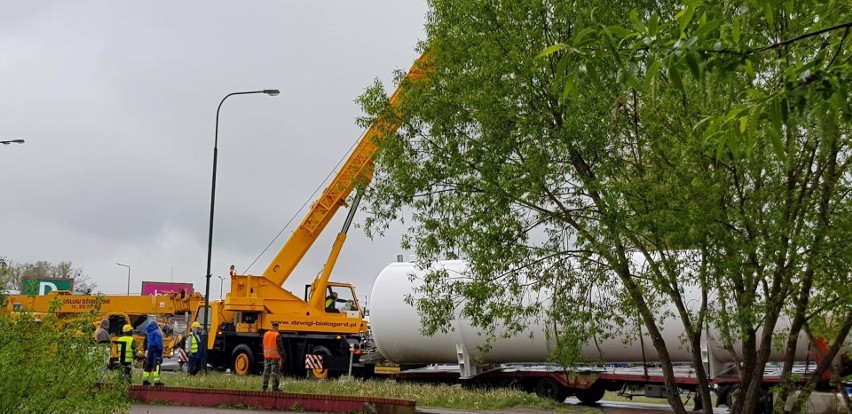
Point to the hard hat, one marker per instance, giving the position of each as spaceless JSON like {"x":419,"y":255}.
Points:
{"x":196,"y":324}
{"x":126,"y":328}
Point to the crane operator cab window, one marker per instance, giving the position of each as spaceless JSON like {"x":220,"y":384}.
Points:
{"x":339,"y":300}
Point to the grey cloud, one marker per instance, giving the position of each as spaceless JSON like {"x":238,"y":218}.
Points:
{"x":117,"y":101}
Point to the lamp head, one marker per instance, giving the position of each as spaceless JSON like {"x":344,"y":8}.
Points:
{"x":271,"y":92}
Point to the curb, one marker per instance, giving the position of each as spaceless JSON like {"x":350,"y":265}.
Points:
{"x":208,"y":397}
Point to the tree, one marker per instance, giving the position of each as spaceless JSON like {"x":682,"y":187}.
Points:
{"x":711,"y":142}
{"x":15,"y":273}
{"x":4,"y":269}
{"x":52,"y":366}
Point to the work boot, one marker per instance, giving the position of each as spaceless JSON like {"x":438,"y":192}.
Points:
{"x":158,"y":384}
{"x":263,"y":389}
{"x":146,"y":382}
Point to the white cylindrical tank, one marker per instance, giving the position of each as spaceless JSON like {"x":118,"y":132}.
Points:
{"x":396,"y":325}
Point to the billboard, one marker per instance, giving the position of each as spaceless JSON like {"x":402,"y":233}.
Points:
{"x":40,"y":286}
{"x":163,"y":288}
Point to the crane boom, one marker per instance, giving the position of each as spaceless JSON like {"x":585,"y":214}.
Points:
{"x":310,"y":329}
{"x":357,"y":169}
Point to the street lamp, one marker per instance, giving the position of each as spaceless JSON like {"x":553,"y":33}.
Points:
{"x":221,"y":283}
{"x":128,"y":276}
{"x":204,"y":334}
{"x":12,"y":141}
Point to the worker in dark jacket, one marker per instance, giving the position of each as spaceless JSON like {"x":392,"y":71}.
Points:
{"x":102,"y":334}
{"x":273,"y":354}
{"x":102,"y":339}
{"x":154,"y":357}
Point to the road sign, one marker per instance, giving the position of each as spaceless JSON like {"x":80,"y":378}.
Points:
{"x":40,"y":286}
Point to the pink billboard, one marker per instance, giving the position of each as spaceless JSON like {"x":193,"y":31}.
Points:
{"x":164,"y":288}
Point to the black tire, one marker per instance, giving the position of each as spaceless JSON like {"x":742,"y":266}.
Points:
{"x":320,"y":374}
{"x":550,"y":388}
{"x":722,"y":394}
{"x":242,"y":361}
{"x":764,"y":399}
{"x":590,"y":395}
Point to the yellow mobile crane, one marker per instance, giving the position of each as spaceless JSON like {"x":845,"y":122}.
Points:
{"x":118,"y":310}
{"x":318,"y":340}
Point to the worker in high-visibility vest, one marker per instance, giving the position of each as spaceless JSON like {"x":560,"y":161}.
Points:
{"x":273,"y":354}
{"x":194,"y":348}
{"x":126,"y":350}
{"x":330,"y":301}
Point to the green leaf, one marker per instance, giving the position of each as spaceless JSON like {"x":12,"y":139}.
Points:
{"x":562,"y":66}
{"x":768,"y":13}
{"x":693,"y":61}
{"x":736,"y":111}
{"x":570,"y":88}
{"x":751,"y":131}
{"x":707,"y":27}
{"x":551,"y":50}
{"x":774,"y":114}
{"x":634,"y":20}
{"x":653,"y":24}
{"x":684,"y":17}
{"x":749,"y":68}
{"x":619,"y":31}
{"x":735,"y":30}
{"x":777,"y":144}
{"x":651,"y":73}
{"x":733,"y":143}
{"x":579,"y":39}
{"x":743,"y":123}
{"x":675,"y":77}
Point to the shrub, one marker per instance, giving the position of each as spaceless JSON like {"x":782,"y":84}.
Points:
{"x":52,"y":367}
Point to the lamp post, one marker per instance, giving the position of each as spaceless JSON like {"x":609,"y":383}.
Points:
{"x":128,"y":276}
{"x":221,"y":283}
{"x":206,"y":322}
{"x":12,"y":141}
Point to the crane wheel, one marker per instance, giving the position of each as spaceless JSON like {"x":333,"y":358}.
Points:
{"x":550,"y":388}
{"x":242,"y":360}
{"x":319,"y":374}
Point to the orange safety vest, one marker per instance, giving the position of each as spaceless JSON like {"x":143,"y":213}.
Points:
{"x":270,"y":345}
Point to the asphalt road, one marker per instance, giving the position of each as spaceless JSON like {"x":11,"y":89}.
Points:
{"x":170,"y":364}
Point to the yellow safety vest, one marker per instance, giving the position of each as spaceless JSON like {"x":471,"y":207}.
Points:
{"x":127,"y":340}
{"x":193,"y":347}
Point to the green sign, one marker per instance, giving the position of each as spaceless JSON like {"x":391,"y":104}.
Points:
{"x":41,"y":286}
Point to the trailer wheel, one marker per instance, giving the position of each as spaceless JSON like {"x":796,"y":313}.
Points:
{"x":722,"y":395}
{"x":242,"y":360}
{"x":319,"y":374}
{"x":764,"y":401}
{"x":590,"y":395}
{"x":550,"y":388}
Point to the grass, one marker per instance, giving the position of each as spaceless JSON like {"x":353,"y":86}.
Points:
{"x":439,"y":396}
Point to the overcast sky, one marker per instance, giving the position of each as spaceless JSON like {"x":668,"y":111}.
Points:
{"x":117,"y":103}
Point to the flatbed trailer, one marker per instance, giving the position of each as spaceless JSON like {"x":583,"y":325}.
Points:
{"x":589,"y":383}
